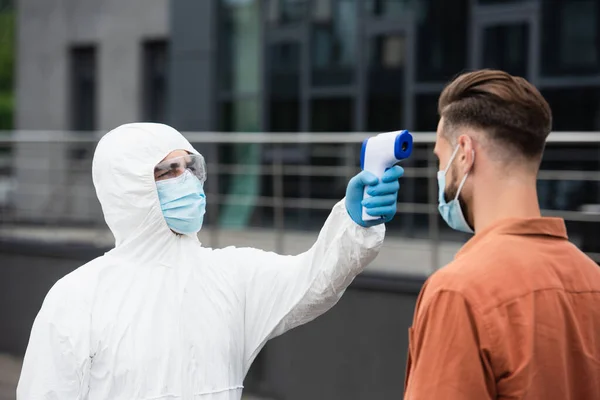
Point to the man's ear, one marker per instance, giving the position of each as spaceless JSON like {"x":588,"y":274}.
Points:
{"x":466,"y":158}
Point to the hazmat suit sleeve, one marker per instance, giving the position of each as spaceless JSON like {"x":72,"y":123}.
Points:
{"x":283,"y":292}
{"x":57,"y":360}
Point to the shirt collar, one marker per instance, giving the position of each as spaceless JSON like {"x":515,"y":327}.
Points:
{"x":541,"y":226}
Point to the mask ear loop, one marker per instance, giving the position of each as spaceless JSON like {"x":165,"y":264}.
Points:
{"x":451,"y":159}
{"x":464,"y":179}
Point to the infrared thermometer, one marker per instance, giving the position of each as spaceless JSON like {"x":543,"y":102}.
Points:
{"x":380,"y":153}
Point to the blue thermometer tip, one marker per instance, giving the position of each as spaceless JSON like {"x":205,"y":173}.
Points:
{"x":403,"y":145}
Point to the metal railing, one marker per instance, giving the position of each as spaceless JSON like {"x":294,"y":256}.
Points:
{"x":318,"y":163}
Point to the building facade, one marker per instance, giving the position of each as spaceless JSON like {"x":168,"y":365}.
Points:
{"x":82,"y":64}
{"x":293,"y":65}
{"x":376,"y":65}
{"x":296,"y":66}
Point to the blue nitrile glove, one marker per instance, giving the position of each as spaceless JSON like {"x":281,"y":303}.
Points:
{"x":383,"y":202}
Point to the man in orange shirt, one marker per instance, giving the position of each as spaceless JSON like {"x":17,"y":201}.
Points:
{"x":516,"y":315}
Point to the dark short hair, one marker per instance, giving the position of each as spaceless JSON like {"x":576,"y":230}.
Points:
{"x":507,"y":108}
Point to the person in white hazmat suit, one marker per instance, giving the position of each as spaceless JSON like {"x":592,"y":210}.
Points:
{"x":160,"y":316}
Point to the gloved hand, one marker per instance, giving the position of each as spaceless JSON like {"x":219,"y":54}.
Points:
{"x":384,"y":196}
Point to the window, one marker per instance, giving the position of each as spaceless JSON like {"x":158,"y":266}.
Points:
{"x":240,"y":115}
{"x":239,"y":55}
{"x":426,"y":113}
{"x":574,"y":109}
{"x":388,"y":7}
{"x":332,"y":114}
{"x":239,"y":63}
{"x":442,"y":29}
{"x":284,"y":82}
{"x":502,"y":2}
{"x":570,"y":37}
{"x":284,"y":115}
{"x":286,"y":11}
{"x":239,"y":47}
{"x":155,"y":72}
{"x":506,"y":47}
{"x":333,"y":42}
{"x":386,"y":61}
{"x":83,"y":88}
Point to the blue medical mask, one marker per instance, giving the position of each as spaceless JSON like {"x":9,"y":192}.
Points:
{"x":183,"y":202}
{"x":452,"y":212}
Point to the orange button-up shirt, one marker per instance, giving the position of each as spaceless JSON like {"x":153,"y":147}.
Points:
{"x":516,"y":315}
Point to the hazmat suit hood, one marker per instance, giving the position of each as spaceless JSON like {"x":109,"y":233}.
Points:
{"x":123,"y":175}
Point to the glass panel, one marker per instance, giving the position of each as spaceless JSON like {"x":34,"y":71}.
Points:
{"x":332,"y":115}
{"x":328,"y":115}
{"x":242,"y":188}
{"x":506,"y":47}
{"x":284,"y":83}
{"x":500,"y":2}
{"x":240,"y":46}
{"x":83,"y":88}
{"x":239,"y":73}
{"x":333,"y":42}
{"x":240,"y":115}
{"x":388,"y":7}
{"x":286,"y":11}
{"x":574,"y":109}
{"x":442,"y":29}
{"x":569,"y":194}
{"x":426,"y":118}
{"x":284,"y":69}
{"x":387,"y":58}
{"x":284,"y":115}
{"x":570,"y":37}
{"x":155,"y":81}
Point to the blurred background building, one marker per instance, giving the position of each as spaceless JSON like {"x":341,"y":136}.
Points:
{"x":293,"y":65}
{"x":296,"y":66}
{"x":222,"y":70}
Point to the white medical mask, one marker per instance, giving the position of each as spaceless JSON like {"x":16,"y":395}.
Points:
{"x":183,"y":202}
{"x":452,"y":212}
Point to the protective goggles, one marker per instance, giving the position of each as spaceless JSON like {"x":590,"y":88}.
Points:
{"x":175,"y":167}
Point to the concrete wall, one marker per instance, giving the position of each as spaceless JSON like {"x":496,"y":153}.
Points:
{"x":357,"y":350}
{"x":47,"y":29}
{"x":51,"y":184}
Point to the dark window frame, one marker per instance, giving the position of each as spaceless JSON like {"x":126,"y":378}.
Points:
{"x":83,"y":86}
{"x":154,"y":105}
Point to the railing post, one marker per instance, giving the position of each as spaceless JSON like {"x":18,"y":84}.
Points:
{"x":278,"y":209}
{"x":432,"y":196}
{"x":349,"y":159}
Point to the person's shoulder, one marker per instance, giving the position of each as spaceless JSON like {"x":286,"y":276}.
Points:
{"x":457,"y":276}
{"x":75,"y":289}
{"x":483,"y":276}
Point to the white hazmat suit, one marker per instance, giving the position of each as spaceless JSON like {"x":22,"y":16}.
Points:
{"x":160,"y":316}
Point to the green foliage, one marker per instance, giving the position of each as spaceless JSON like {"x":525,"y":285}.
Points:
{"x":6,"y":110}
{"x":7,"y":66}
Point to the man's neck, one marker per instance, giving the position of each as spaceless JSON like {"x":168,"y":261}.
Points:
{"x":509,"y":199}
